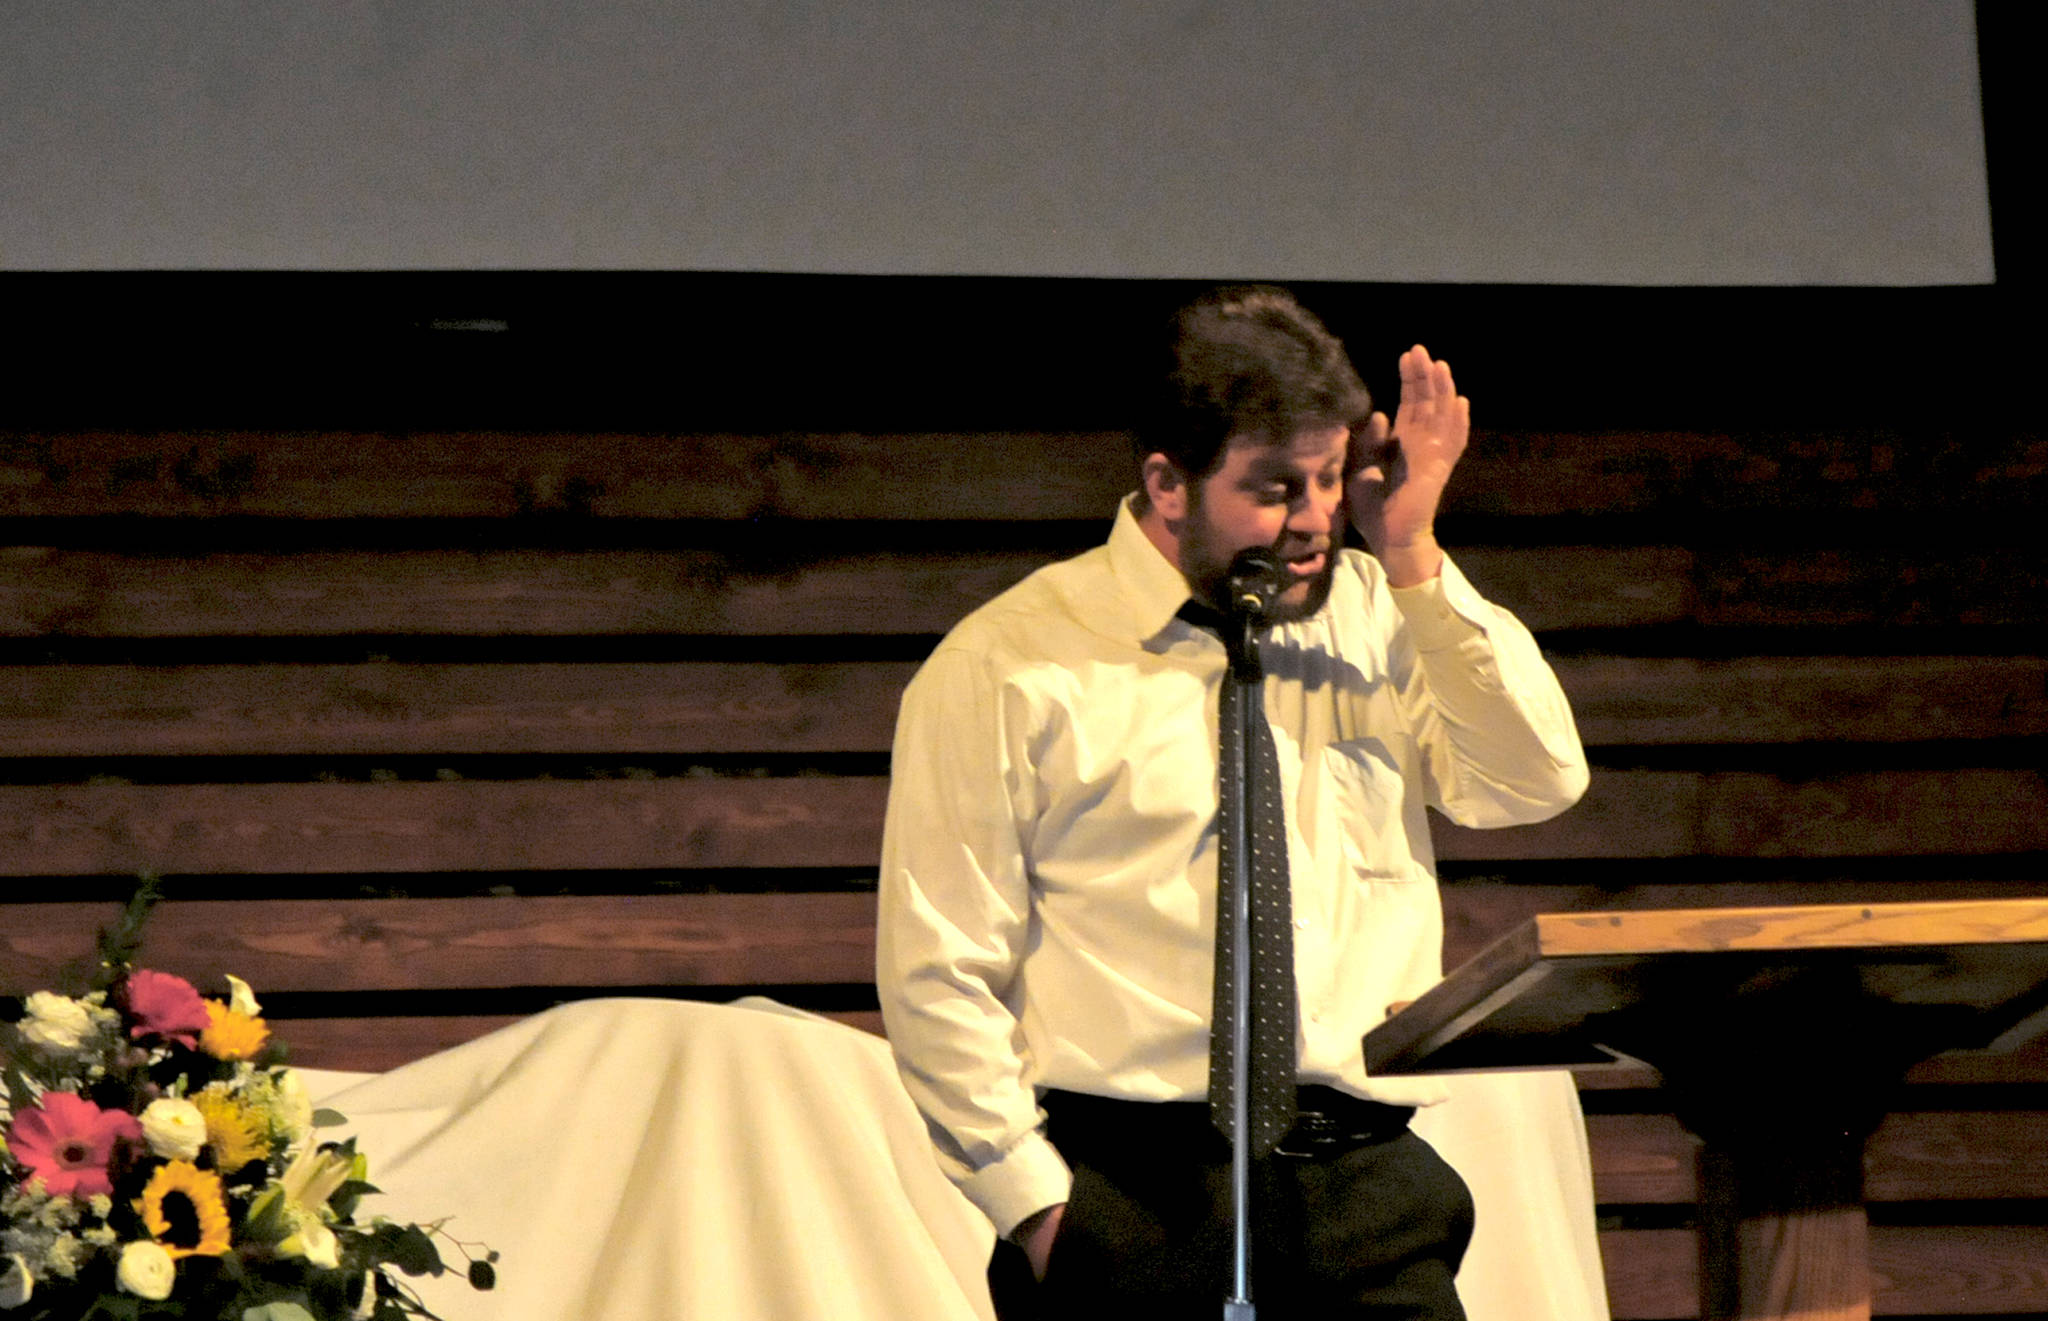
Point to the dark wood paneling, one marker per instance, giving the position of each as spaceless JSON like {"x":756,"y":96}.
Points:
{"x":685,"y":707}
{"x":53,"y":592}
{"x":1970,"y":585}
{"x":823,"y":821}
{"x":470,"y":826}
{"x":1686,"y":473}
{"x":1046,"y":475}
{"x":454,"y":944}
{"x":1745,"y":814}
{"x":1620,"y":700}
{"x":90,"y":593}
{"x":960,"y":475}
{"x":255,"y":710}
{"x":1914,"y":1156}
{"x":1653,"y":1274}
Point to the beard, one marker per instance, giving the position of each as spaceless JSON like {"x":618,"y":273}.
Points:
{"x":1205,"y":561}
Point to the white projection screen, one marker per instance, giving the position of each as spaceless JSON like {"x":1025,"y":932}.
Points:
{"x":1607,"y":142}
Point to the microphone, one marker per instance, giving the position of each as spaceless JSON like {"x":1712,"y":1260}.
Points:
{"x":1253,"y":582}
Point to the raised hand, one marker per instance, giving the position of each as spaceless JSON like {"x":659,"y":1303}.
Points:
{"x":1398,"y":472}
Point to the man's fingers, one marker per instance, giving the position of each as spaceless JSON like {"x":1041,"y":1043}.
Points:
{"x":1418,"y":381}
{"x":1366,"y":443}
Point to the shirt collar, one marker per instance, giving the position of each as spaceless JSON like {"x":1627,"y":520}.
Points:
{"x":1152,"y":586}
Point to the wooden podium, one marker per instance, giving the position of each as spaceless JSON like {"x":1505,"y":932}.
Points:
{"x":1780,"y":1032}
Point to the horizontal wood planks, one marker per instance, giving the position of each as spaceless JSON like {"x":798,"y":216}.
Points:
{"x":1915,"y":1156}
{"x":836,"y":821}
{"x":595,"y":709}
{"x":963,"y":475}
{"x":64,"y":592}
{"x":569,"y":941}
{"x":1917,"y":1271}
{"x":687,"y":707}
{"x":281,"y":829}
{"x":428,"y":729}
{"x":778,"y":590}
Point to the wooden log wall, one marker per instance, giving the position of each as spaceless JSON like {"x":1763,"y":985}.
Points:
{"x":425,"y":729}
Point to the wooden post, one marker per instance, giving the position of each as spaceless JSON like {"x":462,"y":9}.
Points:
{"x":1783,"y":1232}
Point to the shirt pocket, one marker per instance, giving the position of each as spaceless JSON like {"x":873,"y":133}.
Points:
{"x":1366,"y":793}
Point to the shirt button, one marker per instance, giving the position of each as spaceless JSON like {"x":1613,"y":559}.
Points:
{"x":1301,"y":924}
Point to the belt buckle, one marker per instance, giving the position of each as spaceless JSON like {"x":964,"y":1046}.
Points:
{"x":1314,"y":1135}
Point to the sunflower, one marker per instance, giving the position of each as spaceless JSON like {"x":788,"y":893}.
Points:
{"x":236,"y":1133}
{"x":185,"y":1210}
{"x":231,"y":1034}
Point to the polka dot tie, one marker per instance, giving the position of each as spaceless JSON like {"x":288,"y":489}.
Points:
{"x":1271,"y":1069}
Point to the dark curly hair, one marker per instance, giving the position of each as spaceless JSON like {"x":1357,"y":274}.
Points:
{"x":1247,"y":360}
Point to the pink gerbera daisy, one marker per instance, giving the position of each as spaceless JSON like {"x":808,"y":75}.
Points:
{"x":164,"y":1006}
{"x":68,"y":1143}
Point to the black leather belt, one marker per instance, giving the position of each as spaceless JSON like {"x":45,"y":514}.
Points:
{"x":1328,"y":1123}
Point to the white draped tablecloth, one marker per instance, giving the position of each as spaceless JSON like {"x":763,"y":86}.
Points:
{"x":642,"y":1159}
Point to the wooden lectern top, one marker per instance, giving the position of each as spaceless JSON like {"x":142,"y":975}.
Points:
{"x":1569,"y":989}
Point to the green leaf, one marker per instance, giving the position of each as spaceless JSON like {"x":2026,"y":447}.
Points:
{"x":325,"y":1118}
{"x":408,"y":1248}
{"x":345,"y":1198}
{"x":481,"y":1275}
{"x":266,"y":1221}
{"x":114,"y":1309}
{"x":120,"y":943}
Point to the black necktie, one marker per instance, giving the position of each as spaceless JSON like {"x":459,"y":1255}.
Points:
{"x":1270,"y":1071}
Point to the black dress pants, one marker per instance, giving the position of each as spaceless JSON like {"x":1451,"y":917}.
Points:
{"x":1371,"y":1229}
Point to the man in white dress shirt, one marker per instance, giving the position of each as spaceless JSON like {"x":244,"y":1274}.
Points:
{"x":1048,"y":884}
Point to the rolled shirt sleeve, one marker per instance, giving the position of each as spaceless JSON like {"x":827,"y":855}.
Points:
{"x":956,"y":906}
{"x":1500,"y":744}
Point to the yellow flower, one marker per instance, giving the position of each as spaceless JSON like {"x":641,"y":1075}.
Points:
{"x":184,"y":1209}
{"x":231,"y":1034}
{"x":235,"y":1132}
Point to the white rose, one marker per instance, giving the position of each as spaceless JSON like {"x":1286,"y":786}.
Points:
{"x":146,"y":1270}
{"x":16,"y":1284}
{"x":55,"y":1022}
{"x":174,"y":1128}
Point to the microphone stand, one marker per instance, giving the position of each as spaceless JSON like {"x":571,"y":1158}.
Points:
{"x":1247,"y":610}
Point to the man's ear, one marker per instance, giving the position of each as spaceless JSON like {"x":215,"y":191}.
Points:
{"x":1166,"y":487}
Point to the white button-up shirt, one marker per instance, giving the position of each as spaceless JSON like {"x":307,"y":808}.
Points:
{"x":1048,"y":883}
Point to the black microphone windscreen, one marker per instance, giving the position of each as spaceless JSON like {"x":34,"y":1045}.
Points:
{"x":1254,"y":580}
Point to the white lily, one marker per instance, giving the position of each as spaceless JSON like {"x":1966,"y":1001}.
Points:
{"x":316,"y":1174}
{"x":241,"y":998}
{"x":293,"y":1211}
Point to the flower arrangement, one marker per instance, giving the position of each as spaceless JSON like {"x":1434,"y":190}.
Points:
{"x":157,"y":1160}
